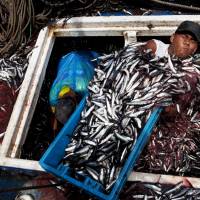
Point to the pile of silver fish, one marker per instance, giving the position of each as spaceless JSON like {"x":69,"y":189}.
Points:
{"x":12,"y":70}
{"x":174,"y":147}
{"x":127,"y":85}
{"x":144,"y":191}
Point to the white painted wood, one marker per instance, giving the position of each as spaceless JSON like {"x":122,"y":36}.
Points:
{"x":116,"y":25}
{"x":33,"y":94}
{"x":14,"y":125}
{"x":113,"y":31}
{"x":162,"y":179}
{"x":125,"y":21}
{"x":21,"y":164}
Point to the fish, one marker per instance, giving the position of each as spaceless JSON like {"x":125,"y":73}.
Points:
{"x":127,"y":85}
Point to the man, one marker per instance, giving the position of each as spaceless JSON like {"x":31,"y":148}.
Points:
{"x":183,"y":43}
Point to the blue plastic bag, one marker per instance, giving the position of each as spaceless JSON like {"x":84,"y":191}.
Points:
{"x":75,"y":70}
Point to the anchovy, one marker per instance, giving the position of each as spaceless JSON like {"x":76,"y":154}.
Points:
{"x":178,"y":185}
{"x":123,"y":138}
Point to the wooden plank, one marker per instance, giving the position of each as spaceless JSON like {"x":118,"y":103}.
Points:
{"x":33,"y":166}
{"x":125,"y":21}
{"x":175,"y":179}
{"x":20,"y":164}
{"x":144,"y":177}
{"x":32,"y":95}
{"x":162,"y":179}
{"x":17,"y":114}
{"x":112,"y":31}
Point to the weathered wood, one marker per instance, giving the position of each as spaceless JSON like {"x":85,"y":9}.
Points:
{"x":20,"y":164}
{"x":17,"y":114}
{"x":33,"y":94}
{"x":126,"y":21}
{"x":162,"y":179}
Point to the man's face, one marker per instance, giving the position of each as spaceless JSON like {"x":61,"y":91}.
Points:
{"x":183,"y":45}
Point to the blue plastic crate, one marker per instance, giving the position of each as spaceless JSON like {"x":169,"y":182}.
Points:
{"x":51,"y":160}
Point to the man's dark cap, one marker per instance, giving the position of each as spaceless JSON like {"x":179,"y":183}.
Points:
{"x":190,"y":27}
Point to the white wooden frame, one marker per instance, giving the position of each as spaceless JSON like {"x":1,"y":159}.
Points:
{"x":129,"y":27}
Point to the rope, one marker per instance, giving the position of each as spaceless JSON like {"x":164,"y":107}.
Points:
{"x":17,"y":16}
{"x":176,"y":5}
{"x":58,"y":3}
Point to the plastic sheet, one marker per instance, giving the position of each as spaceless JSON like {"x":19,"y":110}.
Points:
{"x":75,"y":70}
